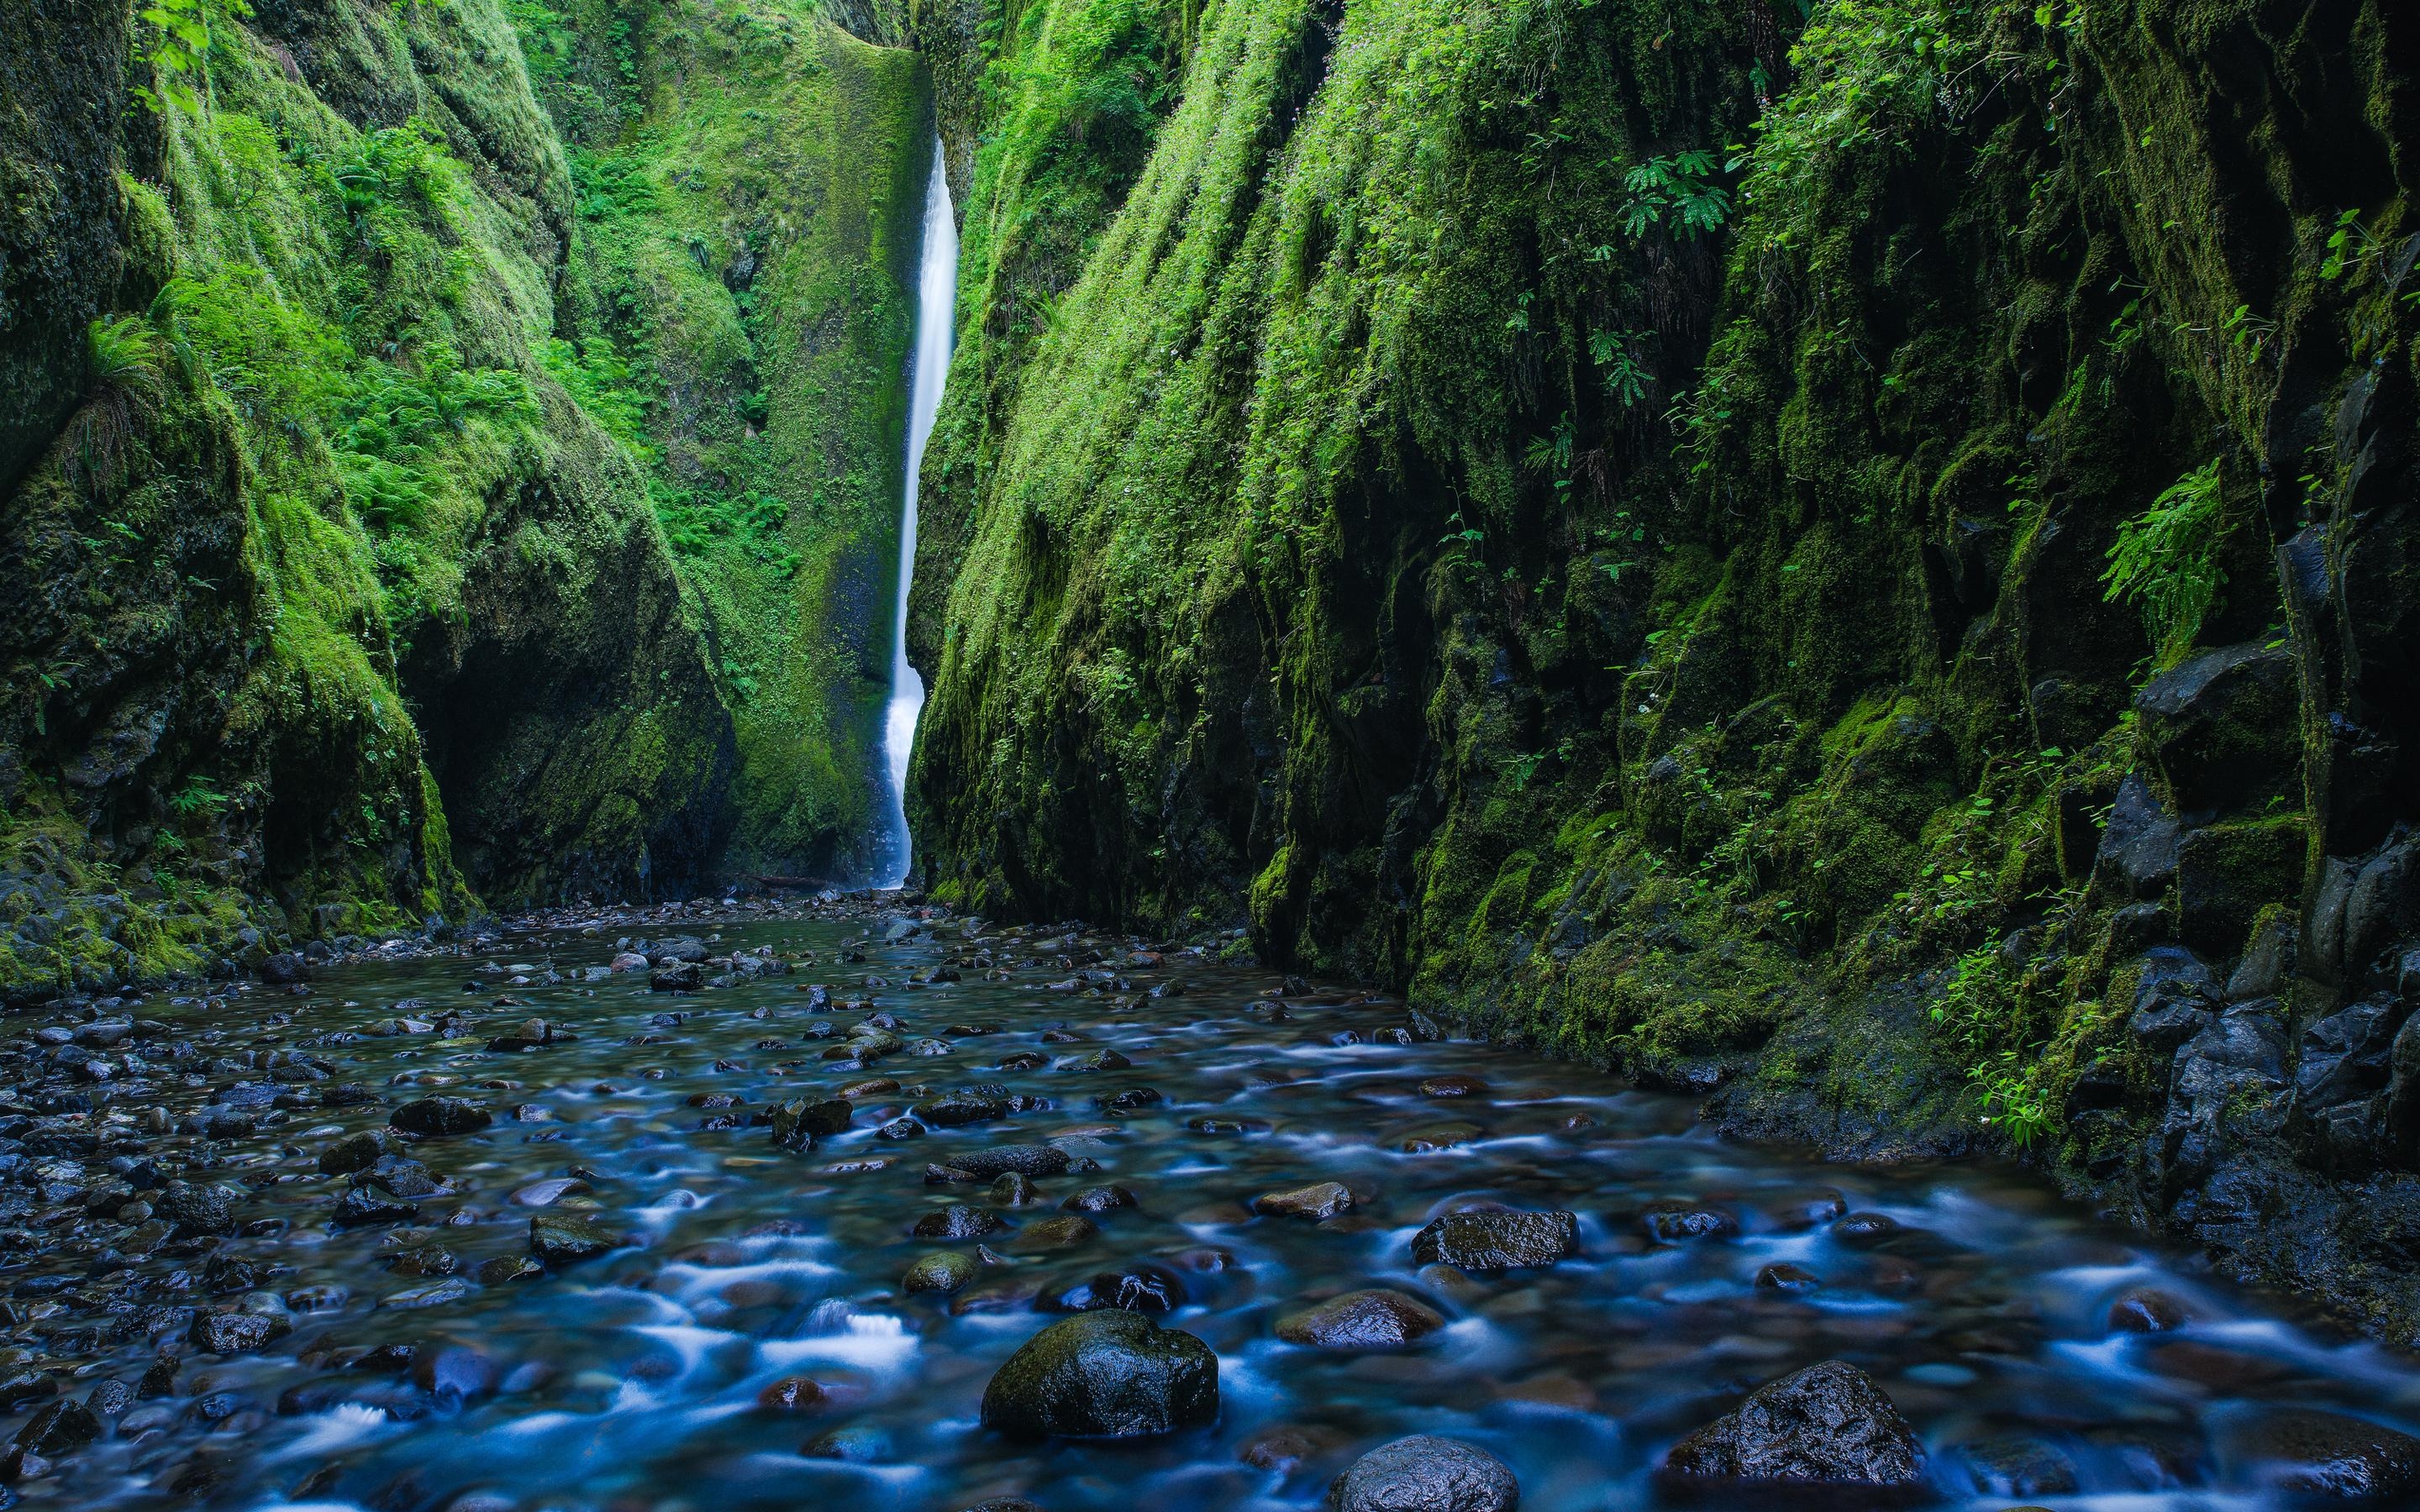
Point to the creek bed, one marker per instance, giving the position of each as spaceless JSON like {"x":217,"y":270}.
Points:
{"x":749,"y":1341}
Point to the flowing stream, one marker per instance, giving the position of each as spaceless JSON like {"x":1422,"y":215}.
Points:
{"x":937,"y":283}
{"x":750,"y":1341}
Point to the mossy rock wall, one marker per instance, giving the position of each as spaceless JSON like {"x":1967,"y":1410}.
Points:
{"x":1394,"y":490}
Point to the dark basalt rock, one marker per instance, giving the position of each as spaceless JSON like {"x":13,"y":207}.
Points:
{"x":2223,"y":728}
{"x":1025,"y":1160}
{"x":1100,"y":1199}
{"x":1425,"y":1473}
{"x":1372,"y":1319}
{"x":235,"y":1333}
{"x":956,"y":1221}
{"x":684,"y":976}
{"x":963,"y":1105}
{"x":1143,"y":1287}
{"x":197,"y":1212}
{"x":944,"y":1272}
{"x":1497,"y":1241}
{"x":61,"y":1427}
{"x":799,"y":1122}
{"x":1826,"y":1425}
{"x":1104,"y":1375}
{"x":437,"y":1118}
{"x":359,"y":1152}
{"x":365,"y":1204}
{"x":2327,"y":1454}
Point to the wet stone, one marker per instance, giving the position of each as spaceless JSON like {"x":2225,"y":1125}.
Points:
{"x":1783,"y":1276}
{"x":1321,"y":1199}
{"x":857,"y":1445}
{"x":2145,"y":1310}
{"x":801,"y":1122}
{"x":1497,"y":1241}
{"x":359,"y":1152}
{"x":2328,"y":1454}
{"x":238,"y":1333}
{"x":1674,"y":1223}
{"x":945,"y":1273}
{"x":506,"y":1269}
{"x":1064,"y":1231}
{"x":1827,"y":1425}
{"x":1128,"y":1100}
{"x":60,"y":1428}
{"x":1444,"y":1086}
{"x":1143,"y":1287}
{"x":963,"y":1105}
{"x":435,"y":1118}
{"x":1426,"y":1473}
{"x":2017,"y":1467}
{"x":1373,"y":1319}
{"x":1865,"y":1228}
{"x":1025,"y":1160}
{"x":566,"y":1239}
{"x":367,"y":1205}
{"x":1100,"y":1199}
{"x":956,"y":1221}
{"x":791,"y":1394}
{"x":1015,"y":1190}
{"x":1107,"y":1374}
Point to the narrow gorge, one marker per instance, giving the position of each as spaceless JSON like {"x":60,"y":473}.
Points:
{"x":1834,"y":584}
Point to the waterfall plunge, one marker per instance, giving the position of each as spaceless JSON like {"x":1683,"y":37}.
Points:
{"x":936,"y":288}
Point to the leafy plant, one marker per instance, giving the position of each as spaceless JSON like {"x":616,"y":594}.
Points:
{"x":125,"y":389}
{"x":1617,"y":352}
{"x":1676,"y":194}
{"x":2165,"y":559}
{"x":179,"y":51}
{"x":403,"y":165}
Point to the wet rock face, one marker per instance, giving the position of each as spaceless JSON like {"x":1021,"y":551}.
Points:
{"x":437,"y":1118}
{"x":1497,"y":1241}
{"x":1425,"y":1473}
{"x":1104,"y":1375}
{"x":1826,"y":1425}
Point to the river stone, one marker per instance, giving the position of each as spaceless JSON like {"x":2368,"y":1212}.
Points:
{"x":1321,"y":1199}
{"x":1372,"y":1319}
{"x":802,"y":1120}
{"x":365,"y":1204}
{"x":1497,"y":1240}
{"x":1826,"y":1425}
{"x":962,"y":1105}
{"x":1104,"y":1375}
{"x":1100,"y":1199}
{"x":440,"y":1117}
{"x":1062,"y":1232}
{"x":197,"y":1212}
{"x":1025,"y":1160}
{"x":958,"y":1220}
{"x":58,"y":1428}
{"x":1674,"y":1223}
{"x":359,"y":1152}
{"x":235,"y":1333}
{"x":1138,"y":1288}
{"x":945,"y":1272}
{"x":1425,"y":1473}
{"x":2327,"y":1454}
{"x":564,"y":1239}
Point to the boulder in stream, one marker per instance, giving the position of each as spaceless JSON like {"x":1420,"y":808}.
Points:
{"x":1373,"y":1319}
{"x":435,"y":1118}
{"x":1497,"y":1241}
{"x":1425,"y":1473}
{"x":1828,"y":1425}
{"x":1104,"y":1375}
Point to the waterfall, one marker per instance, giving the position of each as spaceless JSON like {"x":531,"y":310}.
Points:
{"x":937,"y":285}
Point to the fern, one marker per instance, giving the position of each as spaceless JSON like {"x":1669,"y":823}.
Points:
{"x":2165,"y":559}
{"x":125,"y":390}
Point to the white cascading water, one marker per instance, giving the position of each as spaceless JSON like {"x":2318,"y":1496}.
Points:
{"x":936,"y":292}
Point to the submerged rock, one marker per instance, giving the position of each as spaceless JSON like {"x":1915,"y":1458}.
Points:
{"x":944,"y":1272}
{"x":1497,"y":1241}
{"x":1025,"y":1160}
{"x":1826,"y":1425}
{"x":1425,"y":1473}
{"x":1373,"y":1319}
{"x":2328,"y":1454}
{"x":1108,"y":1375}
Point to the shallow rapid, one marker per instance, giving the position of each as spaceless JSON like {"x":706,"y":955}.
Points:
{"x":745,"y":1339}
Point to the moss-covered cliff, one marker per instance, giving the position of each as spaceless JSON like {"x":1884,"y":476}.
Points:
{"x":1860,"y":556}
{"x":405,"y":508}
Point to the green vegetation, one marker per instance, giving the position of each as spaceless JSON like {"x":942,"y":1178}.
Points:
{"x":2166,"y":560}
